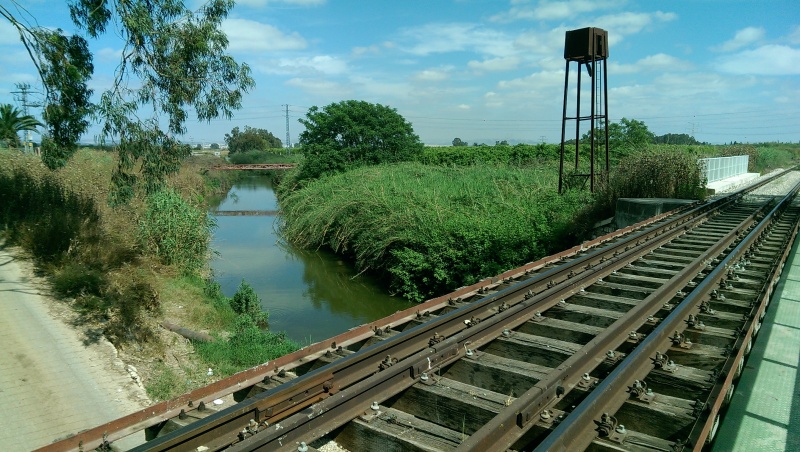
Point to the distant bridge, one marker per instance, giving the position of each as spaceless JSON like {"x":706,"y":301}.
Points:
{"x":244,"y":213}
{"x":255,"y":166}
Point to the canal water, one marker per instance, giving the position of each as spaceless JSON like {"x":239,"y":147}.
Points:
{"x":312,"y":295}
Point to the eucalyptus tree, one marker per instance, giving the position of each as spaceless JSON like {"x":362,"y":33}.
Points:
{"x":13,"y":121}
{"x":173,"y":61}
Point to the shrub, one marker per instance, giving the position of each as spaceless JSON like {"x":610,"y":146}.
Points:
{"x":246,"y":302}
{"x":175,"y":231}
{"x":248,"y":346}
{"x":134,"y":301}
{"x":657,"y":172}
{"x":75,"y":279}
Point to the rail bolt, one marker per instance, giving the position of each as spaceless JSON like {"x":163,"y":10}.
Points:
{"x":620,"y":429}
{"x":302,"y":447}
{"x":424,"y":376}
{"x":375,"y":406}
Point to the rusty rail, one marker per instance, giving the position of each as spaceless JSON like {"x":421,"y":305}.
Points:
{"x":355,"y":379}
{"x":289,"y":400}
{"x":577,"y":431}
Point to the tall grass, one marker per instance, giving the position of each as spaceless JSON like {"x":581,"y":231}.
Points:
{"x":175,"y":231}
{"x":431,"y":229}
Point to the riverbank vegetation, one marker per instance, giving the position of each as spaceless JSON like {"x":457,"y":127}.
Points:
{"x":429,"y":229}
{"x":436,"y":218}
{"x":126,"y":268}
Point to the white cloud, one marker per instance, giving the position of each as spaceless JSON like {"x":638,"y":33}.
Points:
{"x":538,"y":80}
{"x":249,"y":35}
{"x":494,"y":64}
{"x":553,"y":10}
{"x":624,"y":24}
{"x":374,"y":49}
{"x":742,"y":38}
{"x":456,"y":37}
{"x":463,"y":107}
{"x":433,"y":74}
{"x":307,"y":66}
{"x":382,"y":91}
{"x":320,"y":87}
{"x":657,"y":62}
{"x":765,"y":60}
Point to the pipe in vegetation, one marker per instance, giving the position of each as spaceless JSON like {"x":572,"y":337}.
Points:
{"x":187,"y":333}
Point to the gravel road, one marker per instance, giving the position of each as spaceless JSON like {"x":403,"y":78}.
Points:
{"x":52,"y":384}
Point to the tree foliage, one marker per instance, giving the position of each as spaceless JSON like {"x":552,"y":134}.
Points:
{"x":12,"y":121}
{"x":175,"y":58}
{"x":675,"y":138}
{"x":628,"y":135}
{"x":251,"y":139}
{"x":459,"y":142}
{"x":353,"y":133}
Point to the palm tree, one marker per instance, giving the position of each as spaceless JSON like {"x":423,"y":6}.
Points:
{"x":12,"y":121}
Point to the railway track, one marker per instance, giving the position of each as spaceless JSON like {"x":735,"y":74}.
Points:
{"x":634,"y":344}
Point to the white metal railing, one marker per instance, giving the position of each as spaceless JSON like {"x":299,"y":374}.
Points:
{"x":719,"y":168}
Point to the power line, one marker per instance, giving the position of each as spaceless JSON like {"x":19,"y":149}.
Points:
{"x":24,"y":90}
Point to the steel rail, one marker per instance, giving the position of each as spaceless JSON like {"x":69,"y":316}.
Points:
{"x":703,"y":432}
{"x":144,"y":418}
{"x":291,"y":403}
{"x":333,"y":412}
{"x":350,"y":370}
{"x":576,"y":432}
{"x":512,"y":423}
{"x":295,"y":395}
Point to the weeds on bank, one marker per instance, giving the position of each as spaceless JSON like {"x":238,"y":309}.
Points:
{"x":165,"y":383}
{"x":249,"y":343}
{"x":430,"y":229}
{"x":122,"y":268}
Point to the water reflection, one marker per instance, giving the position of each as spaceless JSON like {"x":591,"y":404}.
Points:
{"x":311,"y":295}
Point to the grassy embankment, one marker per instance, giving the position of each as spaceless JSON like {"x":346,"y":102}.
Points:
{"x":460,"y":214}
{"x":126,"y":268}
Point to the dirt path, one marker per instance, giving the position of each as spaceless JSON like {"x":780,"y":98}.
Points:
{"x":52,"y":384}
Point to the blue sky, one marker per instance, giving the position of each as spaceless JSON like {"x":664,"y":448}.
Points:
{"x":485,"y":71}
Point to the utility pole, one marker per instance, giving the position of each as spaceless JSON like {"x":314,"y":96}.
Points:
{"x":288,"y":137}
{"x":24,"y":89}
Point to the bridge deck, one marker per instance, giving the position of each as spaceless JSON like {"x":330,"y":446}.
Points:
{"x":765,"y":409}
{"x":255,"y":166}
